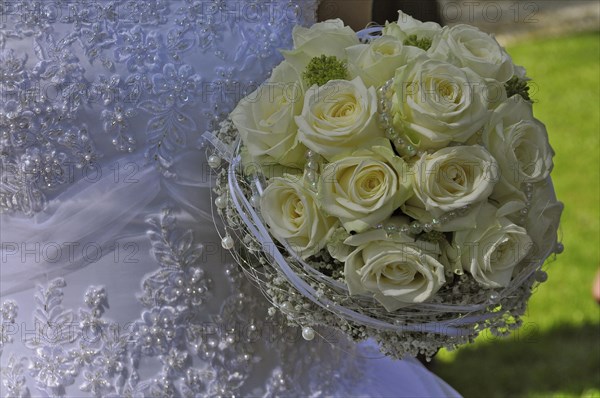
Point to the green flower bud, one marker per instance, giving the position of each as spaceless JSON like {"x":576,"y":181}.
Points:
{"x":322,"y":69}
{"x":423,"y":43}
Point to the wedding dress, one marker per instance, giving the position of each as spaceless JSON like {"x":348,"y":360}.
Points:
{"x":113,"y":279}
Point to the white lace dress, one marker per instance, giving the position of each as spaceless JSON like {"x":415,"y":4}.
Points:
{"x":113,"y":280}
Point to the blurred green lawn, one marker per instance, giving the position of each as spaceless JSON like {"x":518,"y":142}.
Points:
{"x":557,"y":351}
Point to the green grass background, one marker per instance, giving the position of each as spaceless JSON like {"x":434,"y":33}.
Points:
{"x":557,"y":351}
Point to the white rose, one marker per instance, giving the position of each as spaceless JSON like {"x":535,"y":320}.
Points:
{"x":292,"y":214}
{"x":265,"y":119}
{"x":407,"y":26}
{"x":330,"y":38}
{"x":398,"y":271}
{"x":339,"y":117}
{"x":365,"y":188}
{"x":377,"y":61}
{"x":435,"y":103}
{"x":467,"y":46}
{"x":543,"y":219}
{"x":519,"y":142}
{"x":491,"y":251}
{"x":452,"y":178}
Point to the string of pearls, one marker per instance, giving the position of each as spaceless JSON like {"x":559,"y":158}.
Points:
{"x":214,"y":161}
{"x":528,"y":190}
{"x":311,"y":169}
{"x":384,"y":105}
{"x":416,"y":227}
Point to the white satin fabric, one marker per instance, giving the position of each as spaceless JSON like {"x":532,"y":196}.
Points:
{"x":117,"y":284}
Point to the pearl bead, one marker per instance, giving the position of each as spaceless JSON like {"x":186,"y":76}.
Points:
{"x":308,"y":333}
{"x":390,"y":230}
{"x":493,"y":296}
{"x":221,"y":202}
{"x":227,"y":242}
{"x":416,"y":228}
{"x":559,"y":248}
{"x":214,"y":161}
{"x":541,"y":276}
{"x":255,"y":201}
{"x":312,"y":165}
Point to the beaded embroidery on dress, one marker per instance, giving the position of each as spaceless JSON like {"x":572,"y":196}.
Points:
{"x":113,"y":281}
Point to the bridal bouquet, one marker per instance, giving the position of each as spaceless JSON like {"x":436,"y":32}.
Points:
{"x":392,"y":184}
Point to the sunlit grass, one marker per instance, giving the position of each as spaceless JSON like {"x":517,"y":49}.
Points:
{"x":557,"y":352}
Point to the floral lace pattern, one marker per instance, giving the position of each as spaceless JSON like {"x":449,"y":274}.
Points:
{"x":8,"y":314}
{"x":75,"y":75}
{"x":199,"y":353}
